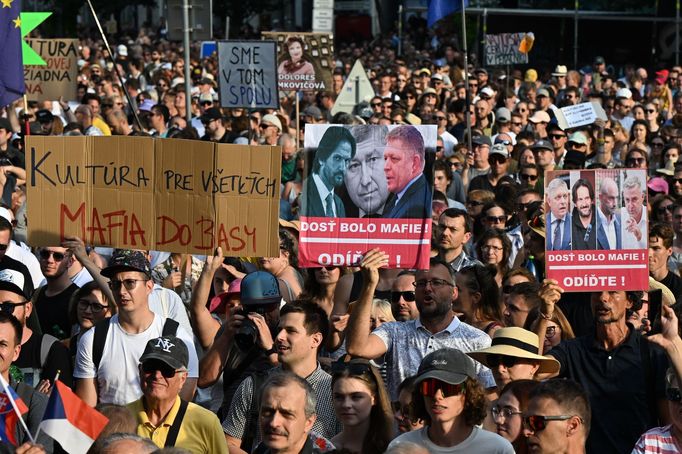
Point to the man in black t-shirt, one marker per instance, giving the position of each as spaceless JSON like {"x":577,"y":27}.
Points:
{"x":52,"y":301}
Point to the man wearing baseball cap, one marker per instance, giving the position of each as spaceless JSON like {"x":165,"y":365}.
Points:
{"x":108,"y":354}
{"x":449,"y":397}
{"x":498,"y":159}
{"x":161,"y":414}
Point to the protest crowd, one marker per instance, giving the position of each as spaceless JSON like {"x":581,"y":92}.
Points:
{"x":480,"y":352}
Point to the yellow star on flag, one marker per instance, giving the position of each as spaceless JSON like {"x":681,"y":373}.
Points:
{"x":17,"y":22}
{"x":6,"y":3}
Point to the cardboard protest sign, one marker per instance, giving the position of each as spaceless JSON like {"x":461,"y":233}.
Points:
{"x":596,"y":229}
{"x":581,"y":114}
{"x":305,"y":60}
{"x":170,"y":195}
{"x":248,"y":74}
{"x":356,"y":88}
{"x":350,"y":202}
{"x":56,"y":78}
{"x":503,"y":49}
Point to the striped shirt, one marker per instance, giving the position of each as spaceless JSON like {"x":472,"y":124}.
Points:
{"x":658,"y":440}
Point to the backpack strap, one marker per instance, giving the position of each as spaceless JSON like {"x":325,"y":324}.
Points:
{"x":175,"y":427}
{"x":251,"y":429}
{"x":170,"y":327}
{"x":45,"y":345}
{"x":98,"y":340}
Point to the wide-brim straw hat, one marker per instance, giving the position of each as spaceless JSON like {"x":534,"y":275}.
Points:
{"x":518,"y":343}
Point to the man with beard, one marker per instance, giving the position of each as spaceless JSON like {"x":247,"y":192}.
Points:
{"x":403,"y":306}
{"x":608,"y":232}
{"x":456,"y":228}
{"x":622,"y":373}
{"x":634,"y":220}
{"x":406,"y":343}
{"x":584,"y":233}
{"x":334,"y":153}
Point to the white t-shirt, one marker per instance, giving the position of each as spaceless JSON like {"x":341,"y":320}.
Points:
{"x":479,"y":441}
{"x":166,"y":303}
{"x":118,"y":377}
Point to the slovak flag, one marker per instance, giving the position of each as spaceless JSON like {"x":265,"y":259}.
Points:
{"x":8,"y":417}
{"x":70,"y":421}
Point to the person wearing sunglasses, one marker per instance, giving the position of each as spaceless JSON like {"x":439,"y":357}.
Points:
{"x":558,"y":417}
{"x":52,"y":301}
{"x":528,"y":175}
{"x":515,"y":355}
{"x":507,"y":412}
{"x":107,"y":355}
{"x":406,"y":343}
{"x":403,"y":304}
{"x":498,"y":163}
{"x":402,"y":408}
{"x":161,"y":414}
{"x":362,"y":405}
{"x":452,"y":402}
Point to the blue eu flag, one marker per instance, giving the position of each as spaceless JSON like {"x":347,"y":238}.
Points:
{"x":438,"y":9}
{"x":11,"y":67}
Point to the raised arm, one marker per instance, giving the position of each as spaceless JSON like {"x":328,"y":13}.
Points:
{"x":550,"y":293}
{"x":76,"y":246}
{"x":359,"y":340}
{"x":205,"y":327}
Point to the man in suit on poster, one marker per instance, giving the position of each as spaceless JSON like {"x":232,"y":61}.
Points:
{"x":404,"y":160}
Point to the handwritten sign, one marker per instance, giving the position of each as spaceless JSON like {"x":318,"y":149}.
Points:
{"x":305,"y":60}
{"x":503,"y":49}
{"x":579,"y":115}
{"x":248,"y":74}
{"x":171,"y":195}
{"x":58,"y":77}
{"x":596,"y":229}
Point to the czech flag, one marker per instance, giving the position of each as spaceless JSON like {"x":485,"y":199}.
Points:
{"x":8,"y":417}
{"x":70,"y":421}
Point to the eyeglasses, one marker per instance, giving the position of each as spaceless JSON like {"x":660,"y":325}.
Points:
{"x":677,"y":180}
{"x":206,"y":103}
{"x":505,"y":412}
{"x":407,"y":295}
{"x":636,"y":161}
{"x":657,"y":144}
{"x":557,"y":136}
{"x":526,"y":177}
{"x":435,"y":283}
{"x":495,"y":220}
{"x":430,"y":386}
{"x":149,"y":367}
{"x":649,"y":110}
{"x":536,"y":423}
{"x":129,"y":284}
{"x":496,"y":158}
{"x":376,"y":104}
{"x":46,"y":254}
{"x":667,"y":208}
{"x":551,"y":331}
{"x":354,"y":367}
{"x":95,"y":308}
{"x":456,"y":165}
{"x":673,"y":394}
{"x":507,"y":361}
{"x":517,"y":124}
{"x":474,"y":203}
{"x":439,"y":118}
{"x":439,"y":148}
{"x":7,"y":307}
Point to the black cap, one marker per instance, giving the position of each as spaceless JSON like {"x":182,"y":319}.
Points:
{"x":168,"y":349}
{"x":14,"y":281}
{"x":211,"y":114}
{"x":127,"y":260}
{"x":44,"y":116}
{"x":446,"y":364}
{"x":542,"y":144}
{"x":6,"y":125}
{"x":482,"y":140}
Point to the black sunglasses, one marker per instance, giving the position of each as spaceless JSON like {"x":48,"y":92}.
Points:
{"x":526,"y":177}
{"x":149,"y":367}
{"x":507,"y":361}
{"x":407,"y":295}
{"x":354,"y":367}
{"x":58,"y":256}
{"x":668,"y":208}
{"x":536,"y":423}
{"x":673,"y":395}
{"x":7,"y":307}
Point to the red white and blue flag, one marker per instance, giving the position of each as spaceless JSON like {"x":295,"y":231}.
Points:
{"x":8,"y":417}
{"x":70,"y":421}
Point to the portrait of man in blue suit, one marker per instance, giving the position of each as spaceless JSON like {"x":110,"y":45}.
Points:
{"x":336,"y":149}
{"x":608,"y":216}
{"x":558,"y":222}
{"x":404,"y":160}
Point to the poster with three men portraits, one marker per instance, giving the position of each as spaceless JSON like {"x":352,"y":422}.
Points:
{"x":366,"y":186}
{"x":596,"y":229}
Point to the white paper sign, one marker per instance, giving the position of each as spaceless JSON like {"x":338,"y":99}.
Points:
{"x":579,"y":115}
